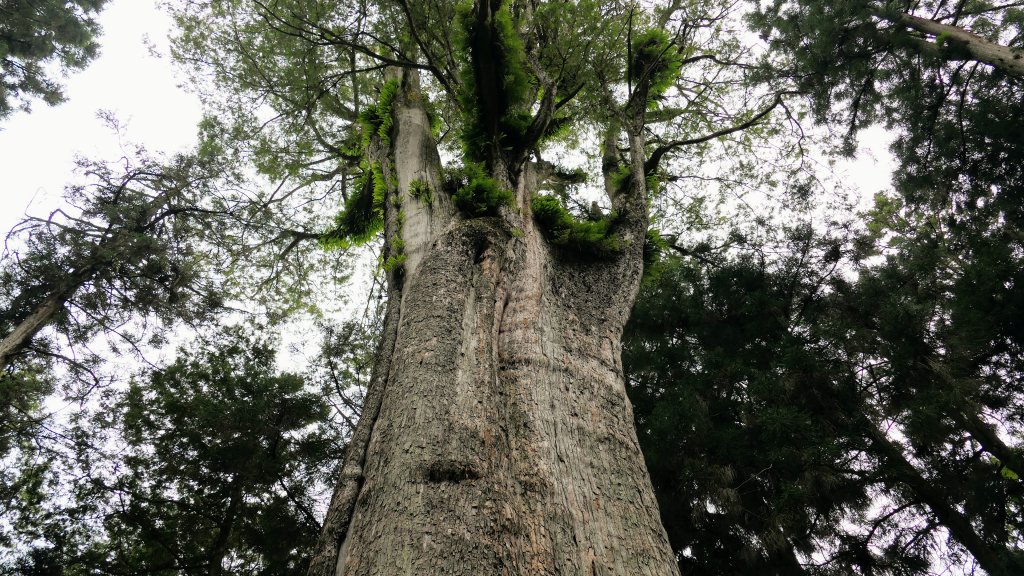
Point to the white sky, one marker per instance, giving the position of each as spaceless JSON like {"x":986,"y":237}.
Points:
{"x":37,"y":149}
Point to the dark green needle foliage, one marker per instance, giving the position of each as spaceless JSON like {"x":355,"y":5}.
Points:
{"x":958,"y":122}
{"x":764,"y":389}
{"x":735,"y":414}
{"x":36,"y":35}
{"x":224,"y":455}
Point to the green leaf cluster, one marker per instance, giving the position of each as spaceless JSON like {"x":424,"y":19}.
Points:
{"x":655,"y":61}
{"x":491,"y":49}
{"x":35,"y":36}
{"x":218,"y":461}
{"x":420,"y":190}
{"x":363,"y":215}
{"x":582,"y":238}
{"x":376,"y":118}
{"x":476,"y":193}
{"x":622,"y":177}
{"x":654,"y":247}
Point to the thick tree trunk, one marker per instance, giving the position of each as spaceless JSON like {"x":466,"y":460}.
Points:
{"x":504,"y":442}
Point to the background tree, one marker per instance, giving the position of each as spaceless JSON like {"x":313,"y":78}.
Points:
{"x":956,"y":117}
{"x":35,"y":34}
{"x":816,"y":422}
{"x":213,"y":467}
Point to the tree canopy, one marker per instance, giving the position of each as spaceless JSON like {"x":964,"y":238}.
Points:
{"x":38,"y":34}
{"x":817,"y":389}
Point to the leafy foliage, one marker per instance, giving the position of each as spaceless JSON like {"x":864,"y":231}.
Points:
{"x":831,"y":405}
{"x":585,"y":238}
{"x":957,"y":121}
{"x":376,"y":118}
{"x":492,"y":51}
{"x":476,"y":193}
{"x":363,"y":216}
{"x":38,"y":34}
{"x":655,"y":61}
{"x":219,"y":474}
{"x":764,"y":386}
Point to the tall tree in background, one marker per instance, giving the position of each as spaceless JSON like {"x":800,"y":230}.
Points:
{"x":210,"y":465}
{"x":796,"y":421}
{"x":35,"y":34}
{"x":958,"y":117}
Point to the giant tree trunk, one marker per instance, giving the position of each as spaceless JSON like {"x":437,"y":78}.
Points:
{"x":503,"y":442}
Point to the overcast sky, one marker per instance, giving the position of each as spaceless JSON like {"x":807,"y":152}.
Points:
{"x":37,"y":149}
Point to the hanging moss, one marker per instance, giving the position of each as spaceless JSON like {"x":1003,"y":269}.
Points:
{"x":474,"y":192}
{"x":363,"y":215}
{"x":654,"y":247}
{"x":586,"y":238}
{"x":492,"y":51}
{"x":655,"y":60}
{"x":362,"y":218}
{"x":376,"y":118}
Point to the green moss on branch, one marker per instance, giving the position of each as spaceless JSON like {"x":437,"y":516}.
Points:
{"x":475,"y":193}
{"x":496,"y":83}
{"x":420,"y":190}
{"x":363,"y":215}
{"x":655,"y":61}
{"x":376,"y":118}
{"x":622,"y":178}
{"x":585,"y":238}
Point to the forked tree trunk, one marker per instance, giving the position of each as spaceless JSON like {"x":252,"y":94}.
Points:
{"x":503,"y":442}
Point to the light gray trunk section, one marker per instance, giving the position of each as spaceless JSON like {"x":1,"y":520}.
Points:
{"x":1002,"y":57}
{"x":417,"y":161}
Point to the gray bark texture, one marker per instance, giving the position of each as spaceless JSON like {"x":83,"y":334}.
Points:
{"x":503,"y":442}
{"x":1005,"y":58}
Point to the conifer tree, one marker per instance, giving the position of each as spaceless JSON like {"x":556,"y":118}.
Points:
{"x":36,"y":34}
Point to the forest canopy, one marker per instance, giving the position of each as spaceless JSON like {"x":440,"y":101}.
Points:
{"x":824,"y":380}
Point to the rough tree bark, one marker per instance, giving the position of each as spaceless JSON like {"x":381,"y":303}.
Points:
{"x":1002,"y":57}
{"x":497,"y":437}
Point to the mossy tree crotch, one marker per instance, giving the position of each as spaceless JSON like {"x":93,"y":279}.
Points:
{"x":497,"y":437}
